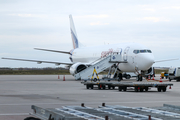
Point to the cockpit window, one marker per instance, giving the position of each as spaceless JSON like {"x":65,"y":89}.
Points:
{"x":135,"y":51}
{"x":142,"y":51}
{"x":149,"y":51}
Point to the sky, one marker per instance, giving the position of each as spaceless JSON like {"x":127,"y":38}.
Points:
{"x":29,"y":24}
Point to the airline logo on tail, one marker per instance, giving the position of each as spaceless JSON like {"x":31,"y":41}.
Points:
{"x":73,"y":33}
{"x":74,"y":40}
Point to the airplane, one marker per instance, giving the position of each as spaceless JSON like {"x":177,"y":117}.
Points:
{"x":135,"y":56}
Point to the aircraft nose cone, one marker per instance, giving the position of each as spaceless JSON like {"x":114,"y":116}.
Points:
{"x":146,"y":62}
{"x":149,"y":60}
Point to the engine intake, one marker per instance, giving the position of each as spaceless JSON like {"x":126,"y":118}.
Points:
{"x":150,"y":71}
{"x":76,"y":68}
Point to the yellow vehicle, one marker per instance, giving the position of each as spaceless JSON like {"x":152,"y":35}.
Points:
{"x":164,"y":74}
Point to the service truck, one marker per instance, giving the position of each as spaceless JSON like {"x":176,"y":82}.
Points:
{"x":174,"y":73}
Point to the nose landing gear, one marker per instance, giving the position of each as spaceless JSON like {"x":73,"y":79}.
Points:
{"x":139,"y":77}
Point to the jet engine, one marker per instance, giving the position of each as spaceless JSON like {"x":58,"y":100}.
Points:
{"x":76,"y":68}
{"x":150,"y":71}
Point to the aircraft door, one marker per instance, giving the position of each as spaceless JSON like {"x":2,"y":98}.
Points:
{"x":119,"y":51}
{"x":125,"y":55}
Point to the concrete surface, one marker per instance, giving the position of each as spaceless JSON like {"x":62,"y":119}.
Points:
{"x":19,"y":92}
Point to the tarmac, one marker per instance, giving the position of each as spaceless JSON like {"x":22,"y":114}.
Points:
{"x":19,"y":92}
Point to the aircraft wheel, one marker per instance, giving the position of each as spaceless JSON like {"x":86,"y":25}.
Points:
{"x":109,"y":87}
{"x":164,"y":89}
{"x":104,"y":87}
{"x":128,"y":77}
{"x":141,"y":89}
{"x":120,"y":88}
{"x":113,"y":87}
{"x":124,"y":88}
{"x":136,"y":89}
{"x":146,"y":89}
{"x":87,"y":86}
{"x":99,"y":87}
{"x":141,"y":78}
{"x":120,"y":76}
{"x":92,"y":86}
{"x":159,"y":89}
{"x":137,"y":78}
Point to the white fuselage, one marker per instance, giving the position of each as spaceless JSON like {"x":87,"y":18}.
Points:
{"x":136,"y":55}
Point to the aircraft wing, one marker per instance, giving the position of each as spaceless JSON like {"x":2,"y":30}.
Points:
{"x":52,"y":50}
{"x":166,"y":60}
{"x":39,"y":61}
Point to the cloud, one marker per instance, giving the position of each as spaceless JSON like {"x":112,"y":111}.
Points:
{"x":98,"y":23}
{"x":94,"y":16}
{"x":28,"y":15}
{"x":150,"y":9}
{"x":147,"y":8}
{"x":154,"y":19}
{"x":172,"y":7}
{"x":176,"y":7}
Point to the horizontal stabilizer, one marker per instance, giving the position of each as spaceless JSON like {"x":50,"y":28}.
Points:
{"x":166,"y":60}
{"x":39,"y":61}
{"x":52,"y":50}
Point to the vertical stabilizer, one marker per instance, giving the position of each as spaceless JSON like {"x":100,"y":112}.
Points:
{"x":73,"y":33}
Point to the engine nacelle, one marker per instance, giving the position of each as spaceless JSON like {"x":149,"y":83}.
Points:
{"x":150,"y":71}
{"x":76,"y":68}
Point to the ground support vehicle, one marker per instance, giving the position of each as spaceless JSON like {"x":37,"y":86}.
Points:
{"x":177,"y":78}
{"x":128,"y":75}
{"x":106,"y":112}
{"x":164,"y":75}
{"x":174,"y":74}
{"x":122,"y":86}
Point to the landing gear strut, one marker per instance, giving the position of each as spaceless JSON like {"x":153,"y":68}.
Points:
{"x":139,"y":78}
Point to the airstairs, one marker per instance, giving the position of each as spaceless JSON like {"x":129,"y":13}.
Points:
{"x":110,"y":61}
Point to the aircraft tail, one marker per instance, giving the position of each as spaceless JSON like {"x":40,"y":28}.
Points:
{"x":73,"y":33}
